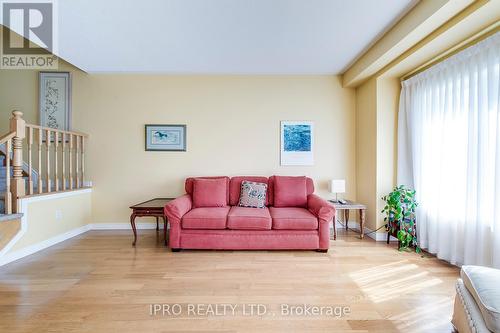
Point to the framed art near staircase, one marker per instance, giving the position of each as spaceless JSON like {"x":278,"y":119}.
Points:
{"x":55,"y":100}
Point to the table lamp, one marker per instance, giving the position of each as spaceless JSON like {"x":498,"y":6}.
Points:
{"x":337,"y":186}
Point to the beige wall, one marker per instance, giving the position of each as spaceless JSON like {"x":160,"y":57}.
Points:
{"x":388,"y":89}
{"x":53,"y":215}
{"x":18,"y":89}
{"x":366,"y":148}
{"x":376,"y":144}
{"x":232,"y":129}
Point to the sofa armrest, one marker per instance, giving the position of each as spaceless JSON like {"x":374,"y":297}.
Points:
{"x":174,"y":211}
{"x":320,"y":208}
{"x":177,"y":208}
{"x":325,"y":213}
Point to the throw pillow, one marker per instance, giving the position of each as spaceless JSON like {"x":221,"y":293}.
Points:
{"x":252,"y":194}
{"x":209,"y":192}
{"x":290,"y":191}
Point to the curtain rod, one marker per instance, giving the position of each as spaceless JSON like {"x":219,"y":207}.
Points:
{"x":474,"y":39}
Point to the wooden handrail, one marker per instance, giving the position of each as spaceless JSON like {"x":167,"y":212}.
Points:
{"x":7,"y":137}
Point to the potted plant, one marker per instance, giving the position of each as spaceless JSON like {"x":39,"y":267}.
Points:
{"x":400,"y":206}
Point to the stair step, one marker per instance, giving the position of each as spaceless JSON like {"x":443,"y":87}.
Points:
{"x":10,"y":217}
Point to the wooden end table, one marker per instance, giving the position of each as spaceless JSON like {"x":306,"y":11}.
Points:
{"x":153,"y":208}
{"x":346,"y":208}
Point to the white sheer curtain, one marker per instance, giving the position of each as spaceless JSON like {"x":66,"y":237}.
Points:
{"x":449,"y":151}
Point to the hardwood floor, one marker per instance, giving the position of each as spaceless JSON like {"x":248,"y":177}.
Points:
{"x":98,"y":282}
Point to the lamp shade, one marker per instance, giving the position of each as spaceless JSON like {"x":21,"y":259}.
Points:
{"x":337,"y":186}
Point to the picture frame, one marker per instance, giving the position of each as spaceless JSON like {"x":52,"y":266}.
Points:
{"x":297,"y":143}
{"x":55,"y":100}
{"x":159,"y":137}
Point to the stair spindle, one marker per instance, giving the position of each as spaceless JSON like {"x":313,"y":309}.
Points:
{"x":56,"y":160}
{"x":8,"y":195}
{"x":77,"y":164}
{"x":40,"y":140}
{"x":63,"y":162}
{"x":83,"y":160}
{"x":30,"y":161}
{"x":70,"y":161}
{"x":47,"y":157}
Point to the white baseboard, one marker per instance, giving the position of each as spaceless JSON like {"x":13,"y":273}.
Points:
{"x":124,"y":226}
{"x":16,"y":255}
{"x":23,"y":206}
{"x":377,"y":236}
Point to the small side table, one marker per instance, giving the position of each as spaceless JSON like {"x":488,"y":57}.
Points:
{"x":346,"y":208}
{"x":154,"y":208}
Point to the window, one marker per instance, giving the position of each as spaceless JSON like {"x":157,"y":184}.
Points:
{"x":449,"y":151}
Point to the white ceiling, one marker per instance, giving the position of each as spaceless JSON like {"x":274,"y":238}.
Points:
{"x":222,"y":36}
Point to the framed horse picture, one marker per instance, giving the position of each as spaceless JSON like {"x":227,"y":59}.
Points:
{"x":165,"y":137}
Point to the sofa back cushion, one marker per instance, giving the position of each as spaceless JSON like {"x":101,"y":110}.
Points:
{"x":290,"y":191}
{"x":209,"y":193}
{"x":235,"y":188}
{"x":189,"y":184}
{"x":271,"y":190}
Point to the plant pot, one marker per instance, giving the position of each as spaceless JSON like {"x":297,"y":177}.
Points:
{"x":393,"y":225}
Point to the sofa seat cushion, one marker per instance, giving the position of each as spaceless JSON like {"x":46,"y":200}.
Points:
{"x":483,"y":285}
{"x":246,"y":218}
{"x":293,"y":218}
{"x":206,"y":218}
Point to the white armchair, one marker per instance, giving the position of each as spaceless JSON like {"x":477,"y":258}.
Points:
{"x":477,"y":303}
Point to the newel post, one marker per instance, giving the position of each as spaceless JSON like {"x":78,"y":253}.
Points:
{"x":18,"y":125}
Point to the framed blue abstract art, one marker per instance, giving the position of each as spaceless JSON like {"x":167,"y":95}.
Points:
{"x":165,"y":137}
{"x":297,"y":143}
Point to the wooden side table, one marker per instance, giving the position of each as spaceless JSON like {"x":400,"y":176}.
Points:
{"x":346,"y":208}
{"x":153,"y":208}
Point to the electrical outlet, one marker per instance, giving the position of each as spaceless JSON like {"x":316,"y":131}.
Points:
{"x":58,"y":214}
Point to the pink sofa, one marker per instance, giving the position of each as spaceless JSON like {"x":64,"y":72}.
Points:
{"x":240,"y":228}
